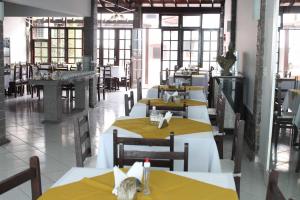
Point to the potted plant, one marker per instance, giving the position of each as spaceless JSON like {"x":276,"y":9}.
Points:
{"x":227,"y":61}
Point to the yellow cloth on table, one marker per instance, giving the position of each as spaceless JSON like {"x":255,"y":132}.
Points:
{"x":173,"y":88}
{"x":294,"y":91}
{"x":162,"y":103}
{"x":163,"y":186}
{"x":179,"y":126}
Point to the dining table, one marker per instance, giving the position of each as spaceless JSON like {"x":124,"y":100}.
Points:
{"x":195,"y":109}
{"x":194,"y":92}
{"x":292,"y":102}
{"x":93,"y":183}
{"x":200,"y":79}
{"x":203,"y":153}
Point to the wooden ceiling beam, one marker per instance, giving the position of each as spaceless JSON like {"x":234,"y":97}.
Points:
{"x":175,"y":3}
{"x":292,"y":2}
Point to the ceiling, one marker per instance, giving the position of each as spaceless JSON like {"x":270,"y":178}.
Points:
{"x":162,"y":3}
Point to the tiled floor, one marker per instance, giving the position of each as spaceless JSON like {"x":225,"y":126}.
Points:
{"x":54,"y":144}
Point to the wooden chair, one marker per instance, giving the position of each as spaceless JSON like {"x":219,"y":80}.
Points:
{"x":218,"y":129}
{"x":178,"y":111}
{"x":234,"y":165}
{"x":126,"y":80}
{"x":282,"y":120}
{"x":188,"y":78}
{"x":273,"y":191}
{"x":162,"y":90}
{"x":139,"y":89}
{"x":15,"y":86}
{"x":129,"y":103}
{"x":82,"y":139}
{"x":158,"y":159}
{"x":100,"y":83}
{"x":32,"y":174}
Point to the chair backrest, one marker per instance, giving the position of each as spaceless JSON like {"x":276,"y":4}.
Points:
{"x":273,"y":191}
{"x":157,"y":159}
{"x":139,"y":89}
{"x":220,"y":112}
{"x":82,"y":139}
{"x":162,"y":90}
{"x":184,"y":109}
{"x":32,"y":174}
{"x":24,"y":71}
{"x":238,"y":149}
{"x":128,"y":102}
{"x":118,"y":141}
{"x":278,"y":102}
{"x":17,"y":72}
{"x":107,"y":71}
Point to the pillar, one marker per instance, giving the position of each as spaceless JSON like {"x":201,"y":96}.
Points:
{"x":90,"y":50}
{"x":136,"y":59}
{"x":3,"y":139}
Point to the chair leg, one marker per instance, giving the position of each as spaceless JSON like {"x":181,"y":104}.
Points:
{"x":98,"y":93}
{"x":237,"y":181}
{"x":276,"y":136}
{"x":295,"y":135}
{"x":103,"y":93}
{"x":219,"y":143}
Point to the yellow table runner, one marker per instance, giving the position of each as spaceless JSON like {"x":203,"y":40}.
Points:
{"x":188,"y":88}
{"x":294,"y":91}
{"x":162,"y":103}
{"x":179,"y":126}
{"x":163,"y":186}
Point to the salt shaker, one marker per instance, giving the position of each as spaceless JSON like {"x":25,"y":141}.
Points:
{"x":147,"y":166}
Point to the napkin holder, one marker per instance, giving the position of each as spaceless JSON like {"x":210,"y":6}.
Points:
{"x":163,"y":123}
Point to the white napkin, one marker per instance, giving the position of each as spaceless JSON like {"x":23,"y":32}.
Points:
{"x":135,"y":171}
{"x":168,"y":116}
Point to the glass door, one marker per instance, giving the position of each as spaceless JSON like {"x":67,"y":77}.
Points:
{"x":190,"y":55}
{"x":169,"y":49}
{"x":210,"y":48}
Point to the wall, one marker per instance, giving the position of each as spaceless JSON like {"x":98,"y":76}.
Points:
{"x":80,"y":8}
{"x":246,"y":37}
{"x":227,"y":18}
{"x":15,"y":29}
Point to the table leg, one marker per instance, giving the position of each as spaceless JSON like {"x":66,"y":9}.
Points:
{"x":81,"y":95}
{"x":52,"y":103}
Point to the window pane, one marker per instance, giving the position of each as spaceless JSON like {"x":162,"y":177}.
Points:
{"x":174,"y":35}
{"x":61,"y":33}
{"x":71,"y":53}
{"x":186,"y":45}
{"x":194,"y":56}
{"x":150,"y":20}
{"x":71,"y":33}
{"x":174,"y":55}
{"x":54,"y":42}
{"x":61,"y":52}
{"x":122,"y":34}
{"x":78,"y":33}
{"x":71,"y":60}
{"x":166,"y":45}
{"x":111,"y":53}
{"x":111,"y":44}
{"x":78,"y":43}
{"x":195,"y":35}
{"x":37,"y":44}
{"x":214,"y":46}
{"x":128,"y":44}
{"x":174,"y":45}
{"x":54,"y":52}
{"x":191,"y":21}
{"x":78,"y":52}
{"x":128,"y":34}
{"x":166,"y":64}
{"x":211,"y":21}
{"x":45,"y":52}
{"x":37,"y":52}
{"x":71,"y":43}
{"x":170,"y":21}
{"x":105,"y":44}
{"x":214,"y":35}
{"x":187,"y":35}
{"x":122,"y":46}
{"x":195,"y":45}
{"x":122,"y":54}
{"x":206,"y":56}
{"x":166,"y":35}
{"x":127,"y":54}
{"x":166,"y":55}
{"x":105,"y":53}
{"x":54,"y":33}
{"x":206,"y":46}
{"x":61,"y":43}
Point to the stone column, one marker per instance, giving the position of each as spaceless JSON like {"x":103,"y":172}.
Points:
{"x":136,"y":59}
{"x":90,"y":48}
{"x":3,"y":139}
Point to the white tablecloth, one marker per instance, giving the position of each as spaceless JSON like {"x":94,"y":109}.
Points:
{"x":197,"y":80}
{"x":203,"y":153}
{"x":219,"y":179}
{"x":194,"y":112}
{"x":193,"y":94}
{"x":292,"y":101}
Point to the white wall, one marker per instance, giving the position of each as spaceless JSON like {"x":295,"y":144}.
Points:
{"x":227,"y":18}
{"x":80,"y":8}
{"x":15,"y":29}
{"x":246,"y":39}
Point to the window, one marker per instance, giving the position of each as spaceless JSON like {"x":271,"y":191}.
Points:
{"x":40,"y":51}
{"x":169,"y":49}
{"x":124,"y":47}
{"x":191,"y":21}
{"x":57,"y":45}
{"x":150,"y":20}
{"x":74,"y":45}
{"x":210,"y":48}
{"x":190,"y":48}
{"x":169,"y":21}
{"x":108,"y":46}
{"x":211,"y":21}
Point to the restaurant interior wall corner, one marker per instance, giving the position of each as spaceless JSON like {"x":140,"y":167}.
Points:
{"x":268,"y":85}
{"x":15,"y":29}
{"x":246,"y":40}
